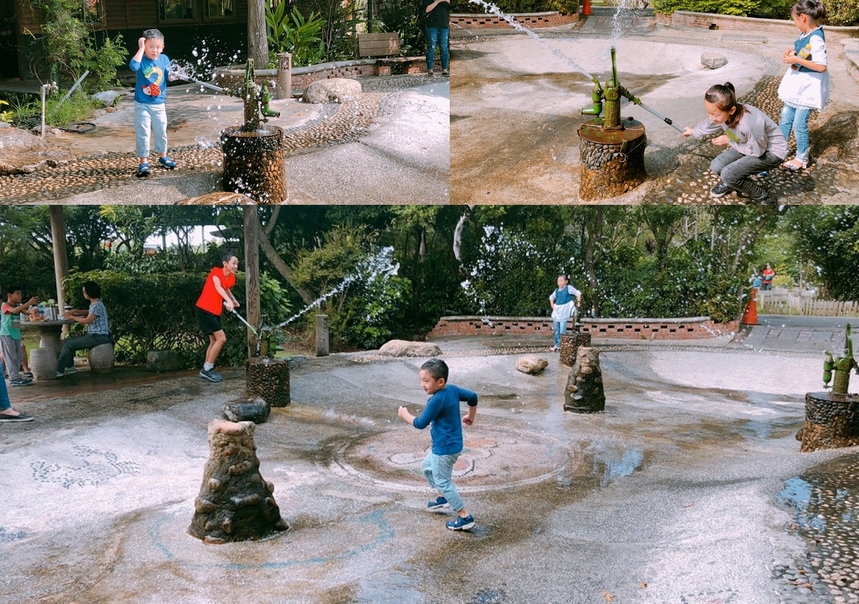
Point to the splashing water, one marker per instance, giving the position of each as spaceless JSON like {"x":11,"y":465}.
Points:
{"x":491,"y":8}
{"x":378,"y":266}
{"x":624,"y":15}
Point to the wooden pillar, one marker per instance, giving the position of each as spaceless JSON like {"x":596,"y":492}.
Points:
{"x":252,"y":302}
{"x":61,"y":258}
{"x":257,"y":38}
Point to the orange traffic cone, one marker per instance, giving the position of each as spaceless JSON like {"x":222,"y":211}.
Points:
{"x":586,"y":8}
{"x":750,"y":315}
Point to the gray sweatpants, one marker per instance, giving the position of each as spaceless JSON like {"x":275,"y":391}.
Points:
{"x":13,"y":356}
{"x":734,"y":168}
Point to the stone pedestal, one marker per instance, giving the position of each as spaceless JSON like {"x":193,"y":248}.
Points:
{"x":570,"y":343}
{"x":253,"y":163}
{"x":322,"y":336}
{"x":284,"y":75}
{"x":831,"y":421}
{"x":268,"y":379}
{"x":584,"y":392}
{"x":101,"y":358}
{"x":612,"y":160}
{"x":235,"y":503}
{"x":43,"y":363}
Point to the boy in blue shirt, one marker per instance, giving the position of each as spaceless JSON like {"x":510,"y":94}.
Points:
{"x":442,"y":411}
{"x":153,"y":69}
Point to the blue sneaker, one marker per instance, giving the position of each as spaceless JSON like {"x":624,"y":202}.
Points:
{"x":438,"y":504}
{"x":143,"y":170}
{"x":461,"y":524}
{"x":167,"y":162}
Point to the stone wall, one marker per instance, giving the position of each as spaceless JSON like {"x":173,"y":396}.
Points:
{"x":692,"y":328}
{"x":302,"y":77}
{"x":740,"y":24}
{"x":531,"y":20}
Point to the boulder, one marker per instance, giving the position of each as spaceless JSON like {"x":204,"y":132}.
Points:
{"x":162,"y":360}
{"x":531,"y":364}
{"x":334,"y":90}
{"x":713,"y":60}
{"x":247,"y":410}
{"x":404,"y":348}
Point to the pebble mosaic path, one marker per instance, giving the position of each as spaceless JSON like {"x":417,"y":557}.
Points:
{"x":338,"y":124}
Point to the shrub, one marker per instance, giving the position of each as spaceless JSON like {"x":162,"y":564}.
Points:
{"x":156,"y":311}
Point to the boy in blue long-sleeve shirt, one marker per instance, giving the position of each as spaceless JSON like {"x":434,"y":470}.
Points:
{"x":442,"y":415}
{"x":153,"y":69}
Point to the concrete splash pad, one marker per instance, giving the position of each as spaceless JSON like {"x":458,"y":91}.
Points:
{"x":673,"y":486}
{"x":516,"y":108}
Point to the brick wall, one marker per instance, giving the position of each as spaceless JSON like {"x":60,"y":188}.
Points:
{"x":745,"y":24}
{"x":693,"y":328}
{"x":549,"y":19}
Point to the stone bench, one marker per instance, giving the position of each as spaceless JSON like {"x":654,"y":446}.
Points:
{"x":101,"y":358}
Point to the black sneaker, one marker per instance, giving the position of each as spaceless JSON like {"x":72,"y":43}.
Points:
{"x":21,"y":382}
{"x":461,"y":524}
{"x":211,"y":375}
{"x":720,"y":190}
{"x":21,"y":417}
{"x":438,"y":504}
{"x":763,"y":197}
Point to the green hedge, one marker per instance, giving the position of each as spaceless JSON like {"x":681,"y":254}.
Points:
{"x":157,"y":312}
{"x":565,"y":7}
{"x":839,"y":12}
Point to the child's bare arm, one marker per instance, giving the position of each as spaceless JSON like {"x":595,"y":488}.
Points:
{"x":141,"y":42}
{"x":404,"y":415}
{"x":468,"y":420}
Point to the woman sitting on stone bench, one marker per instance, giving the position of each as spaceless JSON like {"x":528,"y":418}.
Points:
{"x":95,"y":318}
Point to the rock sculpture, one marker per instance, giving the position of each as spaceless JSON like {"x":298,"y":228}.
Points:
{"x":404,"y":348}
{"x":235,"y":503}
{"x":584,"y":392}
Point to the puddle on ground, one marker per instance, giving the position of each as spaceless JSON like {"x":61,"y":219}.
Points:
{"x":826,"y":504}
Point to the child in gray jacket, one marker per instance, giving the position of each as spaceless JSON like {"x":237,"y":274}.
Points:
{"x":755,"y":143}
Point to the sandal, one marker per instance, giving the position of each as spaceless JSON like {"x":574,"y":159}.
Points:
{"x":794,"y":165}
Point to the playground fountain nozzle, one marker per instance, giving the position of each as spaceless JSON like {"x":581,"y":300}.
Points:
{"x":253,"y":152}
{"x":612,"y":148}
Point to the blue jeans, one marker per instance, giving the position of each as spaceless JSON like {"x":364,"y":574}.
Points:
{"x":72,"y":345}
{"x":558,"y":329}
{"x":798,"y":119}
{"x":438,"y":470}
{"x":440,"y":36}
{"x":5,"y":403}
{"x":146,"y":116}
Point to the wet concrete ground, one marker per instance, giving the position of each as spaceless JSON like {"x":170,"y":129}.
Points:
{"x":349,"y":153}
{"x":515,"y":110}
{"x":675,"y":494}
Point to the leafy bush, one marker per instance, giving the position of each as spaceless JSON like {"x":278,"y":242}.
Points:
{"x":402,"y":16}
{"x":71,"y":47}
{"x":292,"y":32}
{"x":156,"y":311}
{"x":842,"y":12}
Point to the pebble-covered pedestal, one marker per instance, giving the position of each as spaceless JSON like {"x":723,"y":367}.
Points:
{"x":570,"y":343}
{"x":612,"y":161}
{"x":235,"y":503}
{"x":253,"y":163}
{"x":831,"y":421}
{"x":268,"y":379}
{"x":584,"y":392}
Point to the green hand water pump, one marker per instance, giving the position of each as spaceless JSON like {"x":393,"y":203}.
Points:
{"x":840,"y":367}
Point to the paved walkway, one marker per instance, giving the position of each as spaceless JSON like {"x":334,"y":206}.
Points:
{"x":688,"y":489}
{"x":349,"y":153}
{"x":516,"y":105}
